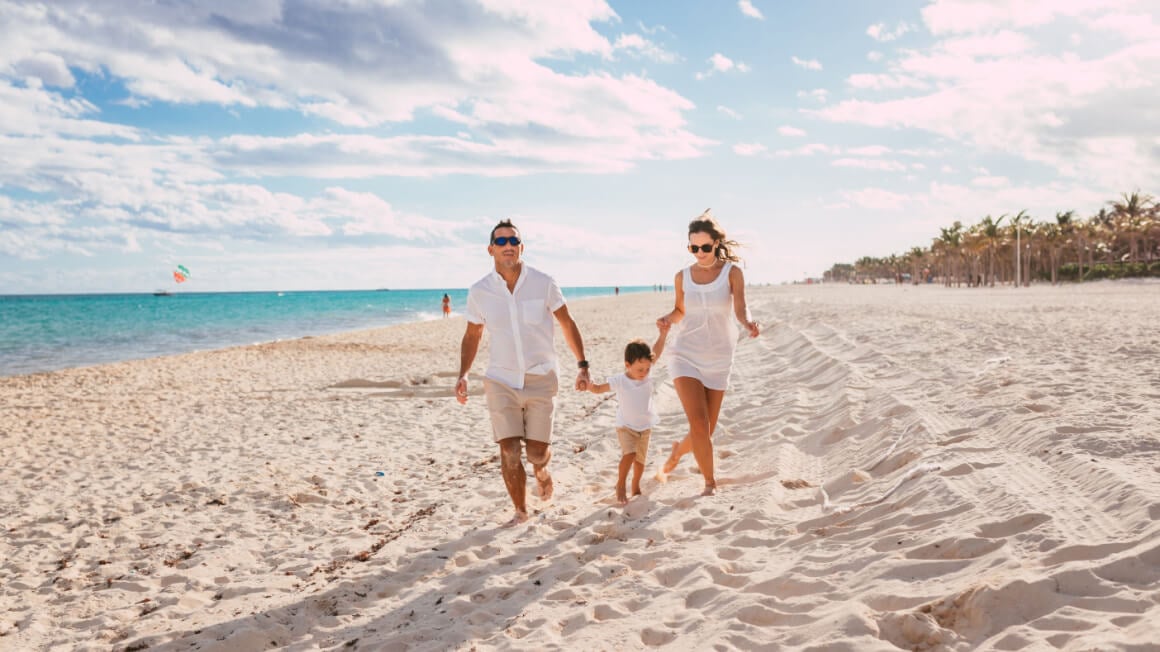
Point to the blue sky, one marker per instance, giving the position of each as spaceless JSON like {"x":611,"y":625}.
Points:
{"x":308,"y":144}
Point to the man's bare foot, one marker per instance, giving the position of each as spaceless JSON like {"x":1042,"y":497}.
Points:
{"x":621,"y":496}
{"x":544,"y":483}
{"x":636,"y":492}
{"x":671,"y":463}
{"x":710,"y":490}
{"x":520,"y":517}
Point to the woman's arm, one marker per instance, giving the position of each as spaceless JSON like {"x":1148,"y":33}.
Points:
{"x":740,"y":307}
{"x":678,"y":312}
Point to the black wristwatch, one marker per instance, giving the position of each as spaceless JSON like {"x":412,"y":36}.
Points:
{"x":583,"y":364}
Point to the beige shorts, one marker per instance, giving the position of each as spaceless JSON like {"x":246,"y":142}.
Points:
{"x":525,"y":413}
{"x":634,"y":441}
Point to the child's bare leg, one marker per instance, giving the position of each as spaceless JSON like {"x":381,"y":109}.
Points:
{"x":637,"y":472}
{"x":626,"y":463}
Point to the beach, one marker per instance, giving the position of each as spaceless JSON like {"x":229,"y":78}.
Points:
{"x":900,"y":468}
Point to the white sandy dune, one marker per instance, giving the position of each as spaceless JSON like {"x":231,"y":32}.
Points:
{"x":915,"y":468}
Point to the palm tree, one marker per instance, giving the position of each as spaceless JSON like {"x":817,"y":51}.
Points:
{"x":1053,"y":237}
{"x":992,"y":232}
{"x":1019,"y":224}
{"x":916,"y":256}
{"x":1130,"y":212}
{"x":1057,"y":235}
{"x":952,"y":241}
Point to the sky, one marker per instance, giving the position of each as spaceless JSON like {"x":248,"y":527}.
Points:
{"x":356,"y":144}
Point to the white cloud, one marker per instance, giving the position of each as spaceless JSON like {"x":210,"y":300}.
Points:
{"x":876,"y":199}
{"x":313,"y":58}
{"x":991,"y":45}
{"x":48,"y":68}
{"x":1134,"y":27}
{"x":808,"y":64}
{"x":818,"y":95}
{"x":748,"y":9}
{"x":806,"y":150}
{"x":988,"y":85}
{"x":884,"y":81}
{"x":949,"y":16}
{"x":869,"y":164}
{"x":874,"y":56}
{"x":749,"y":149}
{"x":723,"y":64}
{"x":868,"y":150}
{"x":637,"y":45}
{"x":794,"y":132}
{"x":990,"y":182}
{"x":728,"y":112}
{"x":880,"y":32}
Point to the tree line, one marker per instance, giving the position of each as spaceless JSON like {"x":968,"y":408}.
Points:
{"x":1121,"y":240}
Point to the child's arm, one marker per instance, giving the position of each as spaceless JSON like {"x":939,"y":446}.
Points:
{"x":599,"y":389}
{"x":659,"y":347}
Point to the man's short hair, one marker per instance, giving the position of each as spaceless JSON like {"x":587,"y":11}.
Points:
{"x":637,"y":350}
{"x":503,"y":224}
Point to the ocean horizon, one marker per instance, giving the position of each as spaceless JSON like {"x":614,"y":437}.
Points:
{"x":49,"y":332}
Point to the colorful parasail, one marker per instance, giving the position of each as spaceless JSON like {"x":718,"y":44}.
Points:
{"x":181,"y":274}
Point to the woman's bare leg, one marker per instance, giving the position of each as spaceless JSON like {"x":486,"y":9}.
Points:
{"x":714,"y":399}
{"x":695,"y":401}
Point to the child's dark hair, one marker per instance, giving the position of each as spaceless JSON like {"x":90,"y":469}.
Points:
{"x":637,"y":350}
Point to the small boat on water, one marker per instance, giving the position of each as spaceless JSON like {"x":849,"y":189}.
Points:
{"x":162,"y":293}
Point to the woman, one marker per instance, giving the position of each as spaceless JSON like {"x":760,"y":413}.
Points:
{"x":710,"y":293}
{"x":446,"y":306}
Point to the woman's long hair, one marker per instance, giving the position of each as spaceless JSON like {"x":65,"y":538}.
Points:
{"x":707,"y":224}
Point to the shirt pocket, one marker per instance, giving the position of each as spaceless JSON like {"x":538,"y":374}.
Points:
{"x":533,"y":312}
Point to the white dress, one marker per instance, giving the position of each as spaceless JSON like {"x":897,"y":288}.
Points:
{"x":707,"y":336}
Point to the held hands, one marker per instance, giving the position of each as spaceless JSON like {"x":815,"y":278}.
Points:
{"x":663,"y":324}
{"x":461,"y":390}
{"x":583,"y":381}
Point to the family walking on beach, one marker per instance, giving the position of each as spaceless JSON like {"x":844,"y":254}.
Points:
{"x":517,"y":303}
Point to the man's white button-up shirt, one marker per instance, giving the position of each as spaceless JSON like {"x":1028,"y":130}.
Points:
{"x":519,"y":323}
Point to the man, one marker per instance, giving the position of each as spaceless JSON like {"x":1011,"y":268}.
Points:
{"x":517,"y":303}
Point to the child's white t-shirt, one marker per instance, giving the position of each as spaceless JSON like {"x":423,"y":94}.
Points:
{"x":635,"y":402}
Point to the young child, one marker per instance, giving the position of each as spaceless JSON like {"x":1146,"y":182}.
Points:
{"x":635,"y":415}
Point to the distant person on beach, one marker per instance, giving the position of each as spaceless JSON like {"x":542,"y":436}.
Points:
{"x":710,"y":293}
{"x":635,"y":414}
{"x":517,"y":302}
{"x":446,"y":306}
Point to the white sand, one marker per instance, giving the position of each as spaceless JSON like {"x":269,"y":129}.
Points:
{"x":900,"y":468}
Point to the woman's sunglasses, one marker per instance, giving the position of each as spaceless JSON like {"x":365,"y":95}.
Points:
{"x":706,"y":248}
{"x":505,"y":240}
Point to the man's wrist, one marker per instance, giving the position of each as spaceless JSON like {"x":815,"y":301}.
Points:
{"x":582,"y":364}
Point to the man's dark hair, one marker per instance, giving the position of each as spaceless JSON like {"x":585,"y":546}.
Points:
{"x":637,"y":350}
{"x":503,"y":224}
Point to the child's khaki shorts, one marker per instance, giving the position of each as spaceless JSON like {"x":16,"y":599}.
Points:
{"x":634,"y":441}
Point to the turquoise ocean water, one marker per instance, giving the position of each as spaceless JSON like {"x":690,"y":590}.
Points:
{"x":49,"y":332}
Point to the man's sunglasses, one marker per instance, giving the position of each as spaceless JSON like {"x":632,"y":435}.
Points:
{"x":505,"y":240}
{"x":706,"y":248}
